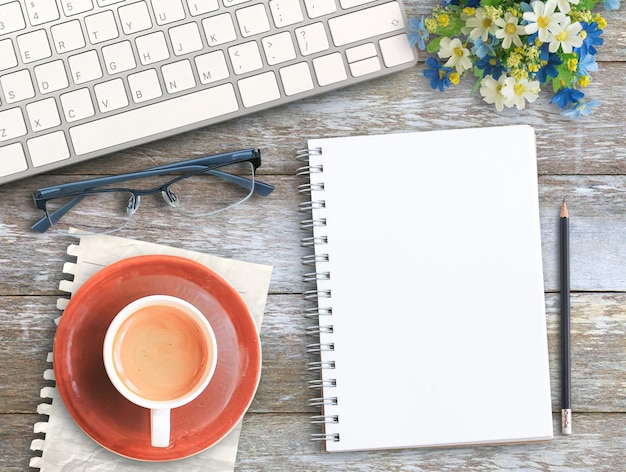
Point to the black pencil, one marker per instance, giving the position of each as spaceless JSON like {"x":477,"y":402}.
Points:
{"x":566,"y":408}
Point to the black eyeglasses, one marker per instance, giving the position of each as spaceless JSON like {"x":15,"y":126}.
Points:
{"x":196,"y":187}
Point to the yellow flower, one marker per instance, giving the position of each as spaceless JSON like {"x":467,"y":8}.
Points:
{"x":572,"y":64}
{"x":469,"y":11}
{"x":431,"y":25}
{"x":443,"y":19}
{"x":584,"y":80}
{"x":600,"y":21}
{"x":454,"y":77}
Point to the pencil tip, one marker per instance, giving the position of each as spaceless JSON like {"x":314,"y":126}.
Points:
{"x":564,"y":213}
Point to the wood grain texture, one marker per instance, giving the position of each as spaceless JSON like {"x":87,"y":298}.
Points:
{"x":582,"y":160}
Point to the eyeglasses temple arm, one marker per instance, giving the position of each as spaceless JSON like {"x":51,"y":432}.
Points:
{"x":191,"y":164}
{"x":44,"y":223}
{"x":261,"y":188}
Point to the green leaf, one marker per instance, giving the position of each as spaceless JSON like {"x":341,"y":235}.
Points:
{"x":433,"y":46}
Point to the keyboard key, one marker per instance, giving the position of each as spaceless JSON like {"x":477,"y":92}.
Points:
{"x":74,"y":7}
{"x":178,"y":76}
{"x":219,"y":29}
{"x":345,"y":4}
{"x":361,"y":52}
{"x":296,"y":78}
{"x":168,"y":11}
{"x":51,"y":77}
{"x":146,"y":122}
{"x":77,"y":105}
{"x":12,"y":159}
{"x":135,"y":17}
{"x":11,"y":124}
{"x":68,"y":36}
{"x":286,"y":12}
{"x":329,"y":69}
{"x":396,"y":50}
{"x":312,"y":39}
{"x":245,"y":57}
{"x":101,"y":27}
{"x":8,"y":58}
{"x":110,"y":95}
{"x":366,"y":23}
{"x":12,"y":18}
{"x":42,"y":11}
{"x":212,"y":67}
{"x":364,"y":66}
{"x":48,"y":149}
{"x":144,"y":86}
{"x":17,"y":86}
{"x":259,"y":89}
{"x":199,"y":7}
{"x":317,"y":8}
{"x":106,"y":3}
{"x":278,"y":48}
{"x":85,"y":67}
{"x":185,"y":39}
{"x":33,"y":46}
{"x":252,"y":20}
{"x":152,"y":48}
{"x":119,"y":57}
{"x":230,"y":3}
{"x":363,"y":59}
{"x":43,"y":114}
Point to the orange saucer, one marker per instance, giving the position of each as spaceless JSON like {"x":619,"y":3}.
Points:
{"x":110,"y":419}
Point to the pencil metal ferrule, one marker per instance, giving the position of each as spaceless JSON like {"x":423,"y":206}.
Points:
{"x":566,"y":421}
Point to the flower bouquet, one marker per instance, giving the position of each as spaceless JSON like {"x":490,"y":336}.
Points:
{"x":514,"y":49}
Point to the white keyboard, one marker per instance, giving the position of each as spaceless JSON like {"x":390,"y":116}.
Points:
{"x":83,"y":78}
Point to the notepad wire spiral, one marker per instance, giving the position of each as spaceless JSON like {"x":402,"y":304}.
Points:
{"x":322,"y":312}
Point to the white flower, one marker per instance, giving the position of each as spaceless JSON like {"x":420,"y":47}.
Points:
{"x":567,"y":36}
{"x":480,"y":26}
{"x":457,"y":54}
{"x":491,"y":90}
{"x":564,"y":5}
{"x":543,"y":19}
{"x":518,"y":92}
{"x":509,"y":30}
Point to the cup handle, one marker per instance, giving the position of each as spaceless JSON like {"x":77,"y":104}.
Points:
{"x":160,"y":427}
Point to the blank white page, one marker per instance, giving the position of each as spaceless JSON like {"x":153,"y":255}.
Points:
{"x":436,"y":283}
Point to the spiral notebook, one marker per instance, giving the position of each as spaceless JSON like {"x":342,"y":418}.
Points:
{"x":427,"y":285}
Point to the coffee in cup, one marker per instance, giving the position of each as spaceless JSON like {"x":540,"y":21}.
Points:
{"x":160,"y":352}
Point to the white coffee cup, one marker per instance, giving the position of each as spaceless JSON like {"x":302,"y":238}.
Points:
{"x":160,"y":352}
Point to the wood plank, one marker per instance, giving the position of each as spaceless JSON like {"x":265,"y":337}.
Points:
{"x":271,"y":442}
{"x":267,"y":230}
{"x":598,"y":354}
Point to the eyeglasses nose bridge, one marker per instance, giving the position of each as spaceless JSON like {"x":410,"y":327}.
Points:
{"x":170,"y":198}
{"x":133,"y":204}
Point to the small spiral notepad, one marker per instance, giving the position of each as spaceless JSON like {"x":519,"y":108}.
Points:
{"x":426,"y":286}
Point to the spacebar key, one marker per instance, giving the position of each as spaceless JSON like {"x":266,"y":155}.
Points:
{"x":366,"y":23}
{"x":153,"y":119}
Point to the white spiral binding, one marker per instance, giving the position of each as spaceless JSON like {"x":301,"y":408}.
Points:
{"x":322,"y":349}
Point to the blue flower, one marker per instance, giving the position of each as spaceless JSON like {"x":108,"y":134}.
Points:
{"x":611,"y":4}
{"x":482,"y":48}
{"x":565,"y":96}
{"x":490,"y":66}
{"x":581,"y":109}
{"x":439,"y":76}
{"x":418,"y":34}
{"x":592,"y":39}
{"x":586,"y":65}
{"x":549,"y":61}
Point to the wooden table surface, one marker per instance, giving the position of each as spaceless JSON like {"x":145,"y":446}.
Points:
{"x":582,"y":160}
